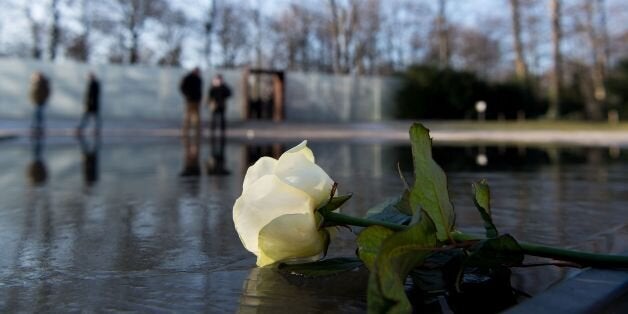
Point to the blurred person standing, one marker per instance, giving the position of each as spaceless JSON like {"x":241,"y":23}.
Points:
{"x":219,"y":92}
{"x":192,"y":89}
{"x":92,"y":104}
{"x":39,"y":93}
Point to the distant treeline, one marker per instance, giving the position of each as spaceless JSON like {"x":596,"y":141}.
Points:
{"x":430,"y":92}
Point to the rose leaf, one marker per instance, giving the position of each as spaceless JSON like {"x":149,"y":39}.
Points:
{"x":430,"y":186}
{"x":482,"y":201}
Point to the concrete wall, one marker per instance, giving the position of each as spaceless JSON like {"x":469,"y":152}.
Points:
{"x":150,"y":92}
{"x":323,"y":97}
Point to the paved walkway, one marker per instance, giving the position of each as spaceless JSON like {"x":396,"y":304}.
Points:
{"x":396,"y":131}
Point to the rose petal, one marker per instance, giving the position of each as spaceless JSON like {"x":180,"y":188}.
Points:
{"x":299,"y":171}
{"x":262,"y":167}
{"x":301,"y":149}
{"x":293,"y":237}
{"x":264,"y":201}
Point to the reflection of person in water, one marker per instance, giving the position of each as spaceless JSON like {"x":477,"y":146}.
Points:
{"x":191,"y":164}
{"x":90,"y":159}
{"x":216,"y":161}
{"x":36,"y":171}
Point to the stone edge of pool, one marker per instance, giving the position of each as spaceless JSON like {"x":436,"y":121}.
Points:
{"x":393,"y":133}
{"x":591,"y":291}
{"x":7,"y":136}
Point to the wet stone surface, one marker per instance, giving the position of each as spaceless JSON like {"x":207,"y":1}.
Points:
{"x":146,"y":226}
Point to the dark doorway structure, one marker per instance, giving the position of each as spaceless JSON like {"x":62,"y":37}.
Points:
{"x":263,"y":94}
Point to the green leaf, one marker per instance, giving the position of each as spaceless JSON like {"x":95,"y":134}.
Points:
{"x":334,"y":203}
{"x":403,"y":205}
{"x":328,"y":267}
{"x":398,"y":255}
{"x":389,"y":211}
{"x":501,"y":251}
{"x":439,"y":270}
{"x":369,"y":242}
{"x":430,"y":186}
{"x":482,"y":201}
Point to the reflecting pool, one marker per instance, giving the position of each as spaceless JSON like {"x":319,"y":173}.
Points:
{"x":145,"y":224}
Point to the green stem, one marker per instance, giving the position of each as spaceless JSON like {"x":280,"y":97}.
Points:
{"x":579,"y":257}
{"x":343,"y":219}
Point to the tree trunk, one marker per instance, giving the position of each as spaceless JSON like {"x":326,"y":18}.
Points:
{"x":443,"y":35}
{"x":594,"y":105}
{"x":209,"y":27}
{"x":133,"y":52}
{"x":555,"y":90}
{"x":258,"y":38}
{"x":521,"y":69}
{"x":335,"y":29}
{"x":87,"y":25}
{"x":35,"y":28}
{"x":55,"y":30}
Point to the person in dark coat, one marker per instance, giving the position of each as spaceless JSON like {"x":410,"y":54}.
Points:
{"x":92,"y":104}
{"x":39,"y":93}
{"x":219,"y":92}
{"x":192,"y":89}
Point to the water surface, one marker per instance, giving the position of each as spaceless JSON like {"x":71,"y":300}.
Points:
{"x":146,"y":225}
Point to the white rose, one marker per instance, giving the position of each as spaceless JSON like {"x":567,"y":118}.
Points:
{"x":275,"y":215}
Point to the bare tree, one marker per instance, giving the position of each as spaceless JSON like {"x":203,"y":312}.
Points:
{"x":534,"y":28}
{"x":135,"y":14}
{"x":521,"y":68}
{"x":78,"y":47}
{"x":599,"y":52}
{"x":209,"y":28}
{"x":174,"y":23}
{"x":293,"y":30}
{"x":55,"y":30}
{"x":232,"y":33}
{"x":335,"y":29}
{"x":555,"y":92}
{"x":443,"y":34}
{"x":477,"y":51}
{"x":354,"y":27}
{"x":36,"y":28}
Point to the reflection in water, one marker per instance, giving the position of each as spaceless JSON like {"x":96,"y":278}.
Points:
{"x":266,"y":290}
{"x":90,"y":158}
{"x":148,"y":241}
{"x":216,"y":160}
{"x":36,"y":170}
{"x":251,"y":153}
{"x":191,"y":163}
{"x":254,"y":152}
